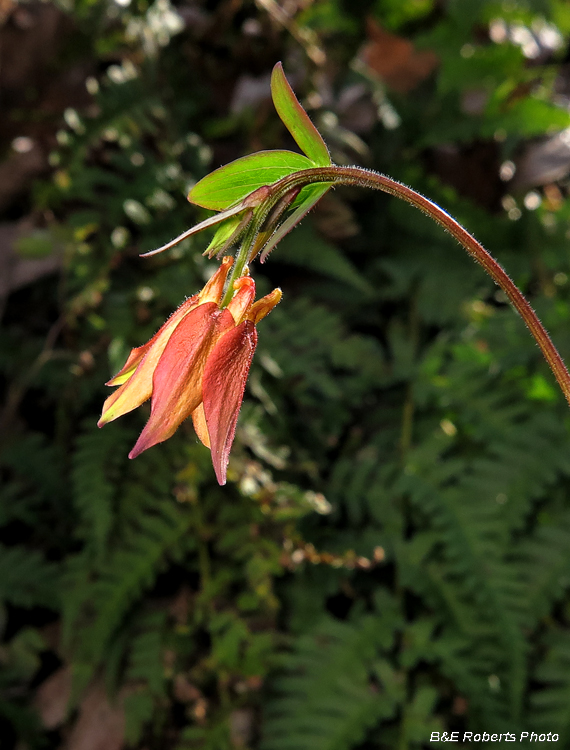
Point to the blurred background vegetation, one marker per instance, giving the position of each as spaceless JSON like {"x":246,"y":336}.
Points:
{"x":391,"y":555}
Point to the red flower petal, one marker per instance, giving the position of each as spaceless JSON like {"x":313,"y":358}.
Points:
{"x":177,"y":380}
{"x":137,"y":354}
{"x":137,"y":385}
{"x":224,"y":380}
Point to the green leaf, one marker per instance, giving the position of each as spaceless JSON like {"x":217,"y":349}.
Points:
{"x":224,"y":235}
{"x":296,"y":120}
{"x":231,"y":183}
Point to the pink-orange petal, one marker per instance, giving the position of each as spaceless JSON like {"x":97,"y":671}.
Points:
{"x":130,"y":365}
{"x":242,"y":299}
{"x":214,"y":288}
{"x":223,"y":385}
{"x":200,"y":426}
{"x":264,"y":306}
{"x":136,"y":355}
{"x":138,"y":388}
{"x":177,"y":380}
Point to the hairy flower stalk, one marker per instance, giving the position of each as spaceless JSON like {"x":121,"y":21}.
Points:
{"x":357,"y":176}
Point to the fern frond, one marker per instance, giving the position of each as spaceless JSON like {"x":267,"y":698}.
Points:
{"x":97,"y":458}
{"x":131,"y":568}
{"x":27,"y":579}
{"x":551,"y":701}
{"x":545,"y":566}
{"x":146,"y":653}
{"x":326,"y":700}
{"x":145,"y":674}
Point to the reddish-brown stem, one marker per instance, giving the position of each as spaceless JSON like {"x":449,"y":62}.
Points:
{"x":367,"y":178}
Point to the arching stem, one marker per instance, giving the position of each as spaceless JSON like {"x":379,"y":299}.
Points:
{"x":367,"y":178}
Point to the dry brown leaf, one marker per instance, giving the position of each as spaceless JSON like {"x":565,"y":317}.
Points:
{"x":460,"y":706}
{"x":543,"y":162}
{"x":395,"y":59}
{"x":52,"y":697}
{"x":180,"y":605}
{"x":6,"y":7}
{"x":28,"y":44}
{"x":184,"y":690}
{"x":100,"y":725}
{"x":241,"y":726}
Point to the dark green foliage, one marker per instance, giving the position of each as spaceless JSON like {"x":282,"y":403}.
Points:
{"x":551,"y":702}
{"x":336,"y":689}
{"x":391,"y":555}
{"x":27,"y":579}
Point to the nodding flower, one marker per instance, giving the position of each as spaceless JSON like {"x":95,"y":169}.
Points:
{"x":196,"y":365}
